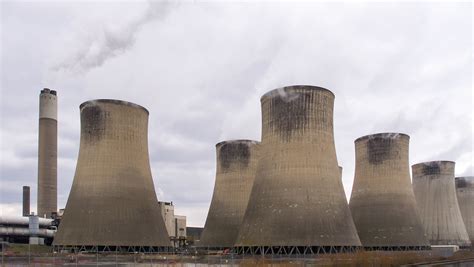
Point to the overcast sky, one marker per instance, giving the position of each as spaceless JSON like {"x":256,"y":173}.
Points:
{"x":200,"y":69}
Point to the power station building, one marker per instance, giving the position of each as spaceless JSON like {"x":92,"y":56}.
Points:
{"x":175,"y":224}
{"x":297,"y":204}
{"x":112,"y":203}
{"x":435,"y":193}
{"x":235,"y":173}
{"x":465,"y":195}
{"x":47,"y":153}
{"x":382,"y":201}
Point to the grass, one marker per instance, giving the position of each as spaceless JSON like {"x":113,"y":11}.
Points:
{"x":24,"y":249}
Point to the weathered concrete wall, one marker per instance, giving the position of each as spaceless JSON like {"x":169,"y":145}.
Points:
{"x":297,"y":198}
{"x":465,"y":195}
{"x":382,"y":200}
{"x":47,"y":154}
{"x":235,"y":174}
{"x":112,"y":200}
{"x":435,"y":193}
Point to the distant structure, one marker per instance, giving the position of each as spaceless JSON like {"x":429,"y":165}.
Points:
{"x":235,"y":173}
{"x":47,"y":153}
{"x":193,"y":235}
{"x":297,"y":204}
{"x":26,"y":200}
{"x":340,"y":174}
{"x":175,"y":224}
{"x":465,"y":195}
{"x":435,"y":193}
{"x":382,"y":200}
{"x":112,"y":203}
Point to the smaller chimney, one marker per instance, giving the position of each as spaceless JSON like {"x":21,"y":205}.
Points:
{"x":26,"y":200}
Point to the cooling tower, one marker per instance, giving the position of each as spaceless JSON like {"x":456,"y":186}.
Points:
{"x":465,"y":195}
{"x":382,"y":201}
{"x":435,"y":193}
{"x":297,"y":203}
{"x":112,"y":202}
{"x":26,"y":200}
{"x":47,"y":153}
{"x":236,"y":165}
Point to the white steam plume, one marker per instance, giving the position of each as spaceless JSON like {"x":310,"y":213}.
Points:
{"x":110,"y":43}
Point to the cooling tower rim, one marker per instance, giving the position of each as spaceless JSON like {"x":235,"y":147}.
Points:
{"x":245,"y":141}
{"x":465,"y":177}
{"x":464,"y":181}
{"x":48,"y":91}
{"x":275,"y":92}
{"x":433,"y":162}
{"x":113,"y":101}
{"x":383,"y":135}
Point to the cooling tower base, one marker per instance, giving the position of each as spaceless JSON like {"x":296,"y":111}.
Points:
{"x":294,"y":250}
{"x":397,"y":248}
{"x":112,"y":249}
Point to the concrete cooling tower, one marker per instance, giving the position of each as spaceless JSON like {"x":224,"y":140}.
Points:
{"x":236,"y":165}
{"x":112,"y":203}
{"x":465,"y":195}
{"x":297,"y":204}
{"x":435,"y":193}
{"x":382,"y":201}
{"x":47,"y":154}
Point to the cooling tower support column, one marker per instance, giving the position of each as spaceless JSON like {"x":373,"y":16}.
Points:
{"x":236,"y":165}
{"x":297,"y":204}
{"x":112,"y":203}
{"x":465,"y":195}
{"x":47,"y":153}
{"x":382,"y":200}
{"x":26,"y":200}
{"x":433,"y":184}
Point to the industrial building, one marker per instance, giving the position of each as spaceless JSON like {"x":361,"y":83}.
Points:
{"x":112,"y":204}
{"x":47,"y":153}
{"x":435,"y":193}
{"x":235,"y":172}
{"x":297,"y":204}
{"x":175,"y":224}
{"x":382,"y":201}
{"x":465,"y":195}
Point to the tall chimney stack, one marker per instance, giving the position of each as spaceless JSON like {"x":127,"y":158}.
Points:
{"x":26,"y":200}
{"x":47,"y":153}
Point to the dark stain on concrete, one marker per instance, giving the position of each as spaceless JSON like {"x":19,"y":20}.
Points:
{"x":230,"y":153}
{"x":289,"y":112}
{"x":431,"y":168}
{"x":379,"y":149}
{"x":93,"y":119}
{"x":461,"y":183}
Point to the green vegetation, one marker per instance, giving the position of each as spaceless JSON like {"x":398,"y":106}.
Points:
{"x":24,"y":249}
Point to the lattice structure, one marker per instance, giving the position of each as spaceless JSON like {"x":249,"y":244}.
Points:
{"x":294,"y":250}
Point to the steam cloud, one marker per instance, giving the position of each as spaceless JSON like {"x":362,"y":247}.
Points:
{"x":111,"y":43}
